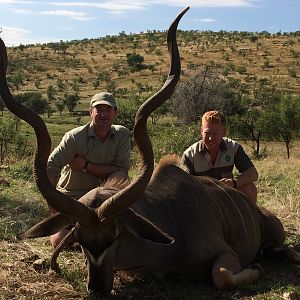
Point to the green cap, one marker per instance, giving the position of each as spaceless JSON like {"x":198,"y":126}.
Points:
{"x":103,"y":98}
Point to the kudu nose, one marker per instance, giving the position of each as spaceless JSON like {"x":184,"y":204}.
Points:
{"x":97,"y":293}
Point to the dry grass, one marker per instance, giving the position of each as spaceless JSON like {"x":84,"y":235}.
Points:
{"x":279,"y":184}
{"x":19,"y":280}
{"x":270,"y":57}
{"x":279,"y":190}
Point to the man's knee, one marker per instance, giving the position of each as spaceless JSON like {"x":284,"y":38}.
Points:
{"x":120,"y":175}
{"x":56,"y":238}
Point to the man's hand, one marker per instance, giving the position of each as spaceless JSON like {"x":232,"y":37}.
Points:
{"x":228,"y":181}
{"x":78,"y":162}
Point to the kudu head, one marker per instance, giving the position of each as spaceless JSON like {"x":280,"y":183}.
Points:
{"x":96,"y":228}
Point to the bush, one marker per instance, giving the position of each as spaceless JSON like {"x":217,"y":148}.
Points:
{"x":33,"y":101}
{"x":135,"y":61}
{"x":13,"y":145}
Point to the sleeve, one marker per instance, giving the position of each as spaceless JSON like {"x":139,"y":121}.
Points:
{"x":61,"y":155}
{"x":186,"y":162}
{"x":242,"y":160}
{"x":122,"y":158}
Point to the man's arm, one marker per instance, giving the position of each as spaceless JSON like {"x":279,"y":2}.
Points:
{"x":247,"y":171}
{"x":61,"y":156}
{"x":248,"y":176}
{"x":100,"y":171}
{"x":103,"y":171}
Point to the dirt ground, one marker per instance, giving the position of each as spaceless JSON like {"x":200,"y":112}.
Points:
{"x":21,"y":278}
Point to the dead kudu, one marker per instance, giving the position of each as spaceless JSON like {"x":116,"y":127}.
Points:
{"x":164,"y":222}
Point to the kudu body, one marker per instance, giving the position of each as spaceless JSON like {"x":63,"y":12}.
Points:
{"x":161,"y":223}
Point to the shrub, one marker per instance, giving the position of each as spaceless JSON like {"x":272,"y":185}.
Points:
{"x":33,"y":101}
{"x":135,"y":61}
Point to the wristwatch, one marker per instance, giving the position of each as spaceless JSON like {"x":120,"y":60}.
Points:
{"x":84,"y":170}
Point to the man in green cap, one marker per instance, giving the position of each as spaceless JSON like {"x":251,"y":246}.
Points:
{"x":90,"y":154}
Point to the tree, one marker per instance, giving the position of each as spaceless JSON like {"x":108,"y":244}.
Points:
{"x":60,"y":106}
{"x":265,"y":94}
{"x":96,"y":83}
{"x":59,"y":47}
{"x":289,"y":117}
{"x":71,"y":101}
{"x":37,"y":83}
{"x":249,"y":127}
{"x":7,"y":137}
{"x":16,"y":80}
{"x":135,"y":61}
{"x":208,"y":91}
{"x":162,"y":110}
{"x":60,"y":85}
{"x":33,"y":101}
{"x":283,"y":120}
{"x":127,"y":110}
{"x":50,"y":93}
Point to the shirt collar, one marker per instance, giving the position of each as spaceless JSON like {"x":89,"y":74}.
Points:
{"x":203,"y":149}
{"x":92,"y":133}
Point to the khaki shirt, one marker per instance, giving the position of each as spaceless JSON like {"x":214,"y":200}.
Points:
{"x":198,"y":162}
{"x":115,"y":150}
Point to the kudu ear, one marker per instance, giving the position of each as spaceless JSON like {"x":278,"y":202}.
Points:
{"x":144,"y":229}
{"x":48,"y":226}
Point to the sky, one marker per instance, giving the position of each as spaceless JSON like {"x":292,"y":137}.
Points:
{"x":31,"y":22}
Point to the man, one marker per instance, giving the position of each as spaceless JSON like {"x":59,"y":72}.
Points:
{"x":90,"y":154}
{"x":215,"y":156}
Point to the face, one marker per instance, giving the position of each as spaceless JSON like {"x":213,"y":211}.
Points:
{"x":103,"y":115}
{"x":98,"y":244}
{"x":212,"y":135}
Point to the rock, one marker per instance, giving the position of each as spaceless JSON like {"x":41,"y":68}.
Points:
{"x":40,"y":264}
{"x":290,"y":296}
{"x":4,"y":182}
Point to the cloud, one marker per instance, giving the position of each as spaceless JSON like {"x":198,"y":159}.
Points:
{"x":112,"y":6}
{"x":17,"y":2}
{"x":22,"y":11}
{"x":13,"y":36}
{"x":205,"y":20}
{"x":79,"y":16}
{"x":67,"y":28}
{"x":143,"y":4}
{"x":204,"y":3}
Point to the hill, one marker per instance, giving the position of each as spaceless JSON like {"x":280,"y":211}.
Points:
{"x":88,"y":66}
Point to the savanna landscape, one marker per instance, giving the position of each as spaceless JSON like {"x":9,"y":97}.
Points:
{"x":134,"y":67}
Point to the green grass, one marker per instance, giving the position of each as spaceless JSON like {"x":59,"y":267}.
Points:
{"x":20,"y":206}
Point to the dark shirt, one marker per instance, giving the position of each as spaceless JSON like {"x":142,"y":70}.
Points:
{"x":198,"y":162}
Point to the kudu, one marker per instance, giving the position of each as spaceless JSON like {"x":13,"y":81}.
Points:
{"x":166,"y":221}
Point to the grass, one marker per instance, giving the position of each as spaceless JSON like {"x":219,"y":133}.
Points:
{"x":22,"y":206}
{"x":278,"y":184}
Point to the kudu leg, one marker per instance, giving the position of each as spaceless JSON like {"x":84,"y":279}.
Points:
{"x":287,"y":253}
{"x":227,"y":272}
{"x":292,"y":255}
